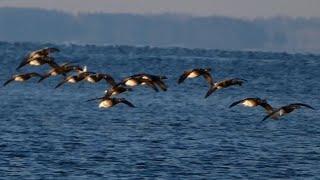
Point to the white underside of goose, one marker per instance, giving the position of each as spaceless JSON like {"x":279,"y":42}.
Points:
{"x":249,"y":103}
{"x":18,"y":79}
{"x":193,"y":75}
{"x":105,"y":104}
{"x":131,"y":82}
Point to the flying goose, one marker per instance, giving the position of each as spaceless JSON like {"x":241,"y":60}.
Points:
{"x":63,"y":69}
{"x":107,"y":102}
{"x":277,"y":113}
{"x":39,"y":57}
{"x":22,"y":77}
{"x":157,"y":80}
{"x":82,"y":74}
{"x":38,"y":62}
{"x":224,"y":84}
{"x":193,"y":73}
{"x":96,"y":77}
{"x":133,"y":81}
{"x":253,"y":102}
{"x":74,"y":79}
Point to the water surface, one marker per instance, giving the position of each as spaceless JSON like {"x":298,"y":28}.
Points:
{"x":53,"y":133}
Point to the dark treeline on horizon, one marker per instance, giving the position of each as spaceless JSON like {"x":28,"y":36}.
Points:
{"x":216,"y":32}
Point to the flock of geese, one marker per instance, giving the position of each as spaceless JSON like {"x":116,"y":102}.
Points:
{"x":42,"y":56}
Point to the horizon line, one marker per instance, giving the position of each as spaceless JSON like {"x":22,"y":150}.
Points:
{"x":77,"y":13}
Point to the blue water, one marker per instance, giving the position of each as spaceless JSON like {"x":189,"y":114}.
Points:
{"x":54,"y":134}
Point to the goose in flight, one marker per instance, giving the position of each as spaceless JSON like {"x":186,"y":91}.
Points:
{"x":39,"y":57}
{"x":107,"y":102}
{"x":96,"y":77}
{"x":277,"y":113}
{"x":253,"y":102}
{"x":193,"y":73}
{"x":38,"y":62}
{"x":133,"y":81}
{"x":63,"y":69}
{"x":22,"y":77}
{"x":224,"y":84}
{"x":42,"y":52}
{"x":82,"y":74}
{"x":74,"y":79}
{"x":157,"y":80}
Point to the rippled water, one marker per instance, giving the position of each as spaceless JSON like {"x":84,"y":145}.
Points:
{"x":53,"y":133}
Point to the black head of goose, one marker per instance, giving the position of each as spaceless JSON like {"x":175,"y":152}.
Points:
{"x":193,"y":73}
{"x":107,"y":102}
{"x":115,"y":90}
{"x":286,"y":110}
{"x":253,"y":102}
{"x":224,"y":84}
{"x":22,"y":77}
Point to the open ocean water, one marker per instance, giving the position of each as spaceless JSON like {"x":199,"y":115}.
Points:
{"x":48,"y":133}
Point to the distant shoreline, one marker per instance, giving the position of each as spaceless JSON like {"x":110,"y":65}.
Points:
{"x":172,"y":51}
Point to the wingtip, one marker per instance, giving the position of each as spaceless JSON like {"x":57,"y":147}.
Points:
{"x":179,"y":81}
{"x":311,"y":107}
{"x":264,"y":119}
{"x":41,"y":79}
{"x":208,"y":93}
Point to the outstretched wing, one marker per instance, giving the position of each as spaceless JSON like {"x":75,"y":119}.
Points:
{"x":44,"y":77}
{"x":237,"y":102}
{"x":8,"y":81}
{"x":122,"y":100}
{"x":271,"y":114}
{"x":51,"y":50}
{"x":237,"y":81}
{"x":183,"y":76}
{"x":208,"y":78}
{"x":94,"y":99}
{"x":23,"y":63}
{"x":44,"y":51}
{"x":162,"y":85}
{"x":163,"y":77}
{"x":210,"y":91}
{"x":298,"y":105}
{"x":33,"y":74}
{"x":109,"y":79}
{"x":267,"y":107}
{"x":151,"y":84}
{"x":50,"y":61}
{"x":62,"y":82}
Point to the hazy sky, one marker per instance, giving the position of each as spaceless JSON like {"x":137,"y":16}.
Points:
{"x":234,"y":8}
